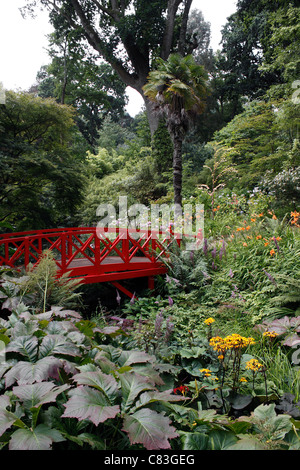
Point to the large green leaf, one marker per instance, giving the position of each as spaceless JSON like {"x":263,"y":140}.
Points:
{"x":221,"y":440}
{"x":194,"y":441}
{"x":37,"y":394}
{"x":88,"y":403}
{"x":180,"y":413}
{"x":27,"y":346}
{"x":27,"y":373}
{"x":276,"y":426}
{"x":132,"y":385}
{"x":40,"y":438}
{"x":247,"y":442}
{"x":149,"y":428}
{"x":91,"y":439}
{"x":97,"y":379}
{"x":214,"y":440}
{"x":194,"y":351}
{"x":57,"y":344}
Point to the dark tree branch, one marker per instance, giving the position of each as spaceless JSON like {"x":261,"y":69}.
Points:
{"x":183,"y":28}
{"x":168,"y":36}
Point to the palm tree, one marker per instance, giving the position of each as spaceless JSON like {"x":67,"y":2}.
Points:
{"x":178,"y":88}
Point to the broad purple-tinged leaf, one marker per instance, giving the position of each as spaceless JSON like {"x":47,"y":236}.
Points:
{"x":4,"y":402}
{"x":103,"y":382}
{"x":43,"y":316}
{"x":110,"y":330}
{"x":11,"y":303}
{"x":91,"y":404}
{"x":57,"y":344}
{"x":37,"y":394}
{"x":105,"y":364}
{"x":24,"y":329}
{"x":39,"y":438}
{"x":60,"y":327}
{"x":291,"y":340}
{"x":128,"y":358}
{"x":61,"y":313}
{"x":7,"y":419}
{"x":282,"y":325}
{"x":149,"y":428}
{"x":4,"y":366}
{"x":295,"y":323}
{"x":132,"y":385}
{"x":28,"y":373}
{"x":152,"y":396}
{"x":27,"y":346}
{"x":147,"y":370}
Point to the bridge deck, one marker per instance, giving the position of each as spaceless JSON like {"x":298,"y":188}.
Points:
{"x":116,"y":260}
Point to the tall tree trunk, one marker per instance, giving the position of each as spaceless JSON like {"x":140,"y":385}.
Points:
{"x":152,"y":115}
{"x":177,"y":169}
{"x":183,"y":27}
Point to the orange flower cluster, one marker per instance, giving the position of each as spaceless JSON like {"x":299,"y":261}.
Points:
{"x":295,"y":218}
{"x":254,"y":365}
{"x":270,"y":334}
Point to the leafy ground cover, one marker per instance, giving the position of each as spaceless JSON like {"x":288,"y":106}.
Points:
{"x":211,"y":362}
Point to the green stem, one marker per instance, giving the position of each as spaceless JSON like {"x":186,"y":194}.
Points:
{"x":45,"y":294}
{"x":266,"y":388}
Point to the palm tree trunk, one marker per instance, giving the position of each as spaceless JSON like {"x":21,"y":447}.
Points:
{"x":177,"y":169}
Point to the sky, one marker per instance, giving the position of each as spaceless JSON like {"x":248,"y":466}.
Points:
{"x":23,"y":42}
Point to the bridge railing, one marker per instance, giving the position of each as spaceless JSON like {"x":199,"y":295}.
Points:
{"x":94,"y":245}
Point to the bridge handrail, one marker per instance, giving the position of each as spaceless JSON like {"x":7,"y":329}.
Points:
{"x":84,"y":230}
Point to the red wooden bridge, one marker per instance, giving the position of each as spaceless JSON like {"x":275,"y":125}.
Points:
{"x":92,"y":254}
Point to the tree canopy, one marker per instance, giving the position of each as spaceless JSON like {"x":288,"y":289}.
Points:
{"x":121,"y":33}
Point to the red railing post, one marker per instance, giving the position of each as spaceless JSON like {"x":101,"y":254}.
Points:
{"x":153,"y":248}
{"x":97,"y":250}
{"x":63,"y":246}
{"x":69,"y":245}
{"x":26,"y":251}
{"x":125,"y":248}
{"x":6,"y":252}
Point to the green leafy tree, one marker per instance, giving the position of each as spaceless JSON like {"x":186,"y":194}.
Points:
{"x":178,"y":88}
{"x":262,"y":140}
{"x":250,"y":38}
{"x":40,"y":182}
{"x":74,"y":77}
{"x":283,"y":54}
